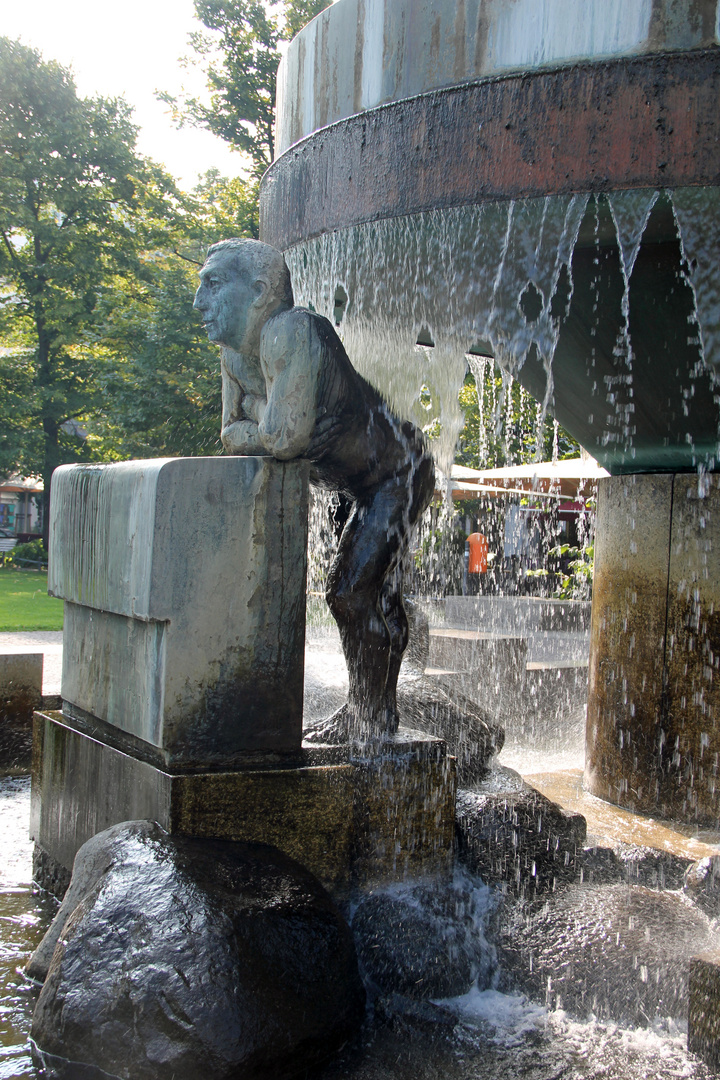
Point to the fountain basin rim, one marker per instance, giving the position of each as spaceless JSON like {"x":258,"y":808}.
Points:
{"x":648,"y":121}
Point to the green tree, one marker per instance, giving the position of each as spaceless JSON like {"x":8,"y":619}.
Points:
{"x":240,"y":58}
{"x":76,"y":207}
{"x":156,"y":366}
{"x":508,"y":429}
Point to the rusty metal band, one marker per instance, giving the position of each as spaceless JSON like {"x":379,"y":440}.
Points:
{"x":649,"y":121}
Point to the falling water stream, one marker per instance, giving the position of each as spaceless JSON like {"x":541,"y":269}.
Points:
{"x":497,"y":280}
{"x":492,"y":283}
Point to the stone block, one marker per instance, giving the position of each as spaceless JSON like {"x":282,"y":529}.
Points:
{"x":82,"y":786}
{"x":509,"y":833}
{"x":184,"y":589}
{"x":404,"y":811}
{"x":20,"y":694}
{"x":516,"y":614}
{"x":551,"y":712}
{"x":704,"y":1007}
{"x":488,"y":668}
{"x":348,"y":823}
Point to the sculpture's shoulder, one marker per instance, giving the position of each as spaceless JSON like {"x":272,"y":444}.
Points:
{"x":289,"y":333}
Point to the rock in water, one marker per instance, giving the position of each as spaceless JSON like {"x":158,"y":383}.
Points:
{"x":425,"y":941}
{"x":196,"y":960}
{"x":615,"y":952}
{"x":508,"y":832}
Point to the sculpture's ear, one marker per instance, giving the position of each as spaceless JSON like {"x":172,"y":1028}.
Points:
{"x":261,"y":288}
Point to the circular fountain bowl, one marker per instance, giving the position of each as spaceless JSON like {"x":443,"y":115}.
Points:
{"x":533,"y":180}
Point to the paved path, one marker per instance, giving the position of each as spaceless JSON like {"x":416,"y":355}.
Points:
{"x":48,"y":642}
{"x":325,"y":672}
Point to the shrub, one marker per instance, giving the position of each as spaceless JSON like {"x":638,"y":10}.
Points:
{"x":32,"y":553}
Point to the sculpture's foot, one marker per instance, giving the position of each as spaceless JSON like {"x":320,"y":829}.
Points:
{"x":473,"y":737}
{"x":344,"y":727}
{"x":333,"y":731}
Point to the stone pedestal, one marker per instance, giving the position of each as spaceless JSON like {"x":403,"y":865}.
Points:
{"x":182,"y":686}
{"x":354,"y":825}
{"x":184,"y":589}
{"x":20,"y":694}
{"x":653,"y":721}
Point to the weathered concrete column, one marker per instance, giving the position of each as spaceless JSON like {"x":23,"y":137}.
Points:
{"x":184,"y":589}
{"x":653,"y":721}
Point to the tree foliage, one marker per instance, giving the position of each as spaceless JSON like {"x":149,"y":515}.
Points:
{"x":509,"y":429}
{"x":240,"y":58}
{"x":71,"y":187}
{"x":101,"y":354}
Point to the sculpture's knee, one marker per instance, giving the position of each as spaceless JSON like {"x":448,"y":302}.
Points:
{"x":356,"y":611}
{"x":397,"y":622}
{"x":344,"y":603}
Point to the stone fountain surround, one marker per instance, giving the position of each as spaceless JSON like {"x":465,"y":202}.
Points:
{"x":393,"y":109}
{"x":355,"y":825}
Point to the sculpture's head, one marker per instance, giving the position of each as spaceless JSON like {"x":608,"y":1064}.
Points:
{"x":242,"y":283}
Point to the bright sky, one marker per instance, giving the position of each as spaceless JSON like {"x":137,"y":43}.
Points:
{"x":129,"y":49}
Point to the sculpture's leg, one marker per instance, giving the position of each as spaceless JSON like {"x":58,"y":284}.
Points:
{"x":364,"y":593}
{"x":368,"y":551}
{"x":396,"y":619}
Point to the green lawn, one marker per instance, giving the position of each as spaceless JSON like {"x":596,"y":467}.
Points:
{"x":25,"y":604}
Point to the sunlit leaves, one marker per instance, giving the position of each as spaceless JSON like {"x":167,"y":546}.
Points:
{"x":240,"y":57}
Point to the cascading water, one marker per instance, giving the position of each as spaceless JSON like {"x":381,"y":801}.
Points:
{"x":604,"y":305}
{"x":499,"y":279}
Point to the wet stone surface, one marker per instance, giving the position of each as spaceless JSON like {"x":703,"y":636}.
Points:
{"x":20,"y":694}
{"x":425,"y":942}
{"x":472,"y":736}
{"x":635,"y":864}
{"x":511,"y":834}
{"x":702,"y":884}
{"x":485,"y":1035}
{"x":611,"y":951}
{"x":222,"y":959}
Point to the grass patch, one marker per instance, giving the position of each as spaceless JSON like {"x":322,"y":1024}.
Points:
{"x":25,"y":604}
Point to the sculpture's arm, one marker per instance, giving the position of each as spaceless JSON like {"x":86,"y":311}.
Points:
{"x":239,"y":433}
{"x":291,"y":356}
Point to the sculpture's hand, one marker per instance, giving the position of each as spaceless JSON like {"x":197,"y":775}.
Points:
{"x":242,"y":438}
{"x":253,"y":407}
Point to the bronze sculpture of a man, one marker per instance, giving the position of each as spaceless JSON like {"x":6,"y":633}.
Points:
{"x":289,"y":390}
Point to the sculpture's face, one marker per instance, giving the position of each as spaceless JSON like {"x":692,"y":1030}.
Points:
{"x":228,"y":299}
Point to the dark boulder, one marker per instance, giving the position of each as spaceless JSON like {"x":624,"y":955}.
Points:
{"x":616,"y":952}
{"x":196,"y":960}
{"x":425,"y":942}
{"x":635,"y":864}
{"x":510,"y":834}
